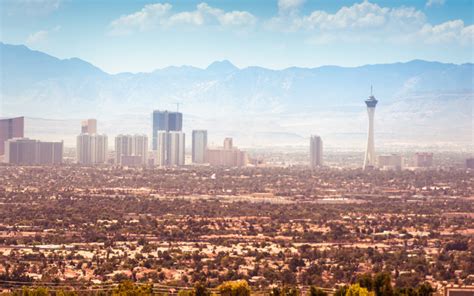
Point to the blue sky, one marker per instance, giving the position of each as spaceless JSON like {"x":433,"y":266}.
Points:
{"x":140,"y":36}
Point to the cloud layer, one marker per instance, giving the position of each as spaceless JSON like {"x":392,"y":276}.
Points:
{"x":364,"y":20}
{"x":160,"y":15}
{"x":370,"y":21}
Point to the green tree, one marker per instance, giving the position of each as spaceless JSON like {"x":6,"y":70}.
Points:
{"x":128,"y":288}
{"x":235,"y":288}
{"x":382,"y":285}
{"x":366,"y":281}
{"x":200,"y":290}
{"x":357,"y":290}
{"x":341,"y":291}
{"x":315,"y":291}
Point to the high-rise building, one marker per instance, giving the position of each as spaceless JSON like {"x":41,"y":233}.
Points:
{"x":89,"y":126}
{"x":166,"y":121}
{"x":127,"y":146}
{"x":228,"y":143}
{"x":170,"y":148}
{"x":423,"y":159}
{"x":140,"y":148}
{"x":315,"y":151}
{"x":470,"y":163}
{"x":30,"y":152}
{"x":199,"y":146}
{"x":91,"y":149}
{"x":228,"y":155}
{"x":389,"y":162}
{"x":10,"y":128}
{"x":369,"y":160}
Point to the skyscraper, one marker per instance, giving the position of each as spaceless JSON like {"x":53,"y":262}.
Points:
{"x":89,"y":126}
{"x":127,"y":146}
{"x":199,"y":145}
{"x":91,"y":148}
{"x":170,"y":148}
{"x":10,"y":128}
{"x":315,"y":151}
{"x":166,"y":121}
{"x":369,"y":160}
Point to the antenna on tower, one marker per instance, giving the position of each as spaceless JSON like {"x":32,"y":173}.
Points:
{"x":371,"y":91}
{"x":177,"y":106}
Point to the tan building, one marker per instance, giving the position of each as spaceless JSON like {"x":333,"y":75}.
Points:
{"x":389,"y":162}
{"x":228,"y":155}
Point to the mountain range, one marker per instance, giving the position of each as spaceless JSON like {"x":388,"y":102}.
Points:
{"x":420,"y":102}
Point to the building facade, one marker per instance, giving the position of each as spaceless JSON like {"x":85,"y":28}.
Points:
{"x":170,"y":148}
{"x":226,"y":156}
{"x":127,"y":146}
{"x":423,"y":159}
{"x":199,"y":146}
{"x":11,"y":128}
{"x":315,"y":151}
{"x":89,"y":126}
{"x":91,"y":149}
{"x":389,"y":162}
{"x":26,"y":151}
{"x":165,"y":121}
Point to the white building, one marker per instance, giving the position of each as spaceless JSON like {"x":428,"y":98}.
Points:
{"x":315,"y":151}
{"x":128,"y":145}
{"x":170,"y":148}
{"x":199,"y":146}
{"x":91,"y":148}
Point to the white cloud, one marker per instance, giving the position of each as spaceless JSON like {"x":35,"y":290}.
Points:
{"x":370,"y":22}
{"x":450,"y":31}
{"x":40,"y":36}
{"x":159,"y":15}
{"x":149,"y":16}
{"x":37,"y":37}
{"x":31,"y":7}
{"x":431,"y":3}
{"x":363,"y":15}
{"x":289,"y":5}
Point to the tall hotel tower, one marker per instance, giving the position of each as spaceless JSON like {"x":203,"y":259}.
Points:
{"x":369,"y":160}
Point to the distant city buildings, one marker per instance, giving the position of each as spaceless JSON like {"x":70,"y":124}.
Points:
{"x":89,"y":126}
{"x":389,"y":162}
{"x":165,"y":121}
{"x":315,"y":151}
{"x":369,"y":160}
{"x":91,"y":148}
{"x":10,"y":128}
{"x":131,"y":150}
{"x":423,"y":159}
{"x":26,"y":151}
{"x":470,"y":163}
{"x":170,"y":148}
{"x":228,"y":155}
{"x":199,"y":146}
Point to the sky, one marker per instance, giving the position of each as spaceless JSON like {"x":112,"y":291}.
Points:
{"x":141,"y":36}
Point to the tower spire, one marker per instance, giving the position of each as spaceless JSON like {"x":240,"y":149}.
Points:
{"x":369,"y":160}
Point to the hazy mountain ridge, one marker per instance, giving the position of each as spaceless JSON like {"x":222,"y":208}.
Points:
{"x":299,"y":101}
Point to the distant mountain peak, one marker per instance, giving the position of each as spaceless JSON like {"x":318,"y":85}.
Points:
{"x":222,"y":66}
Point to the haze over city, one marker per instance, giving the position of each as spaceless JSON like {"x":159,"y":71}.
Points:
{"x":237,"y":148}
